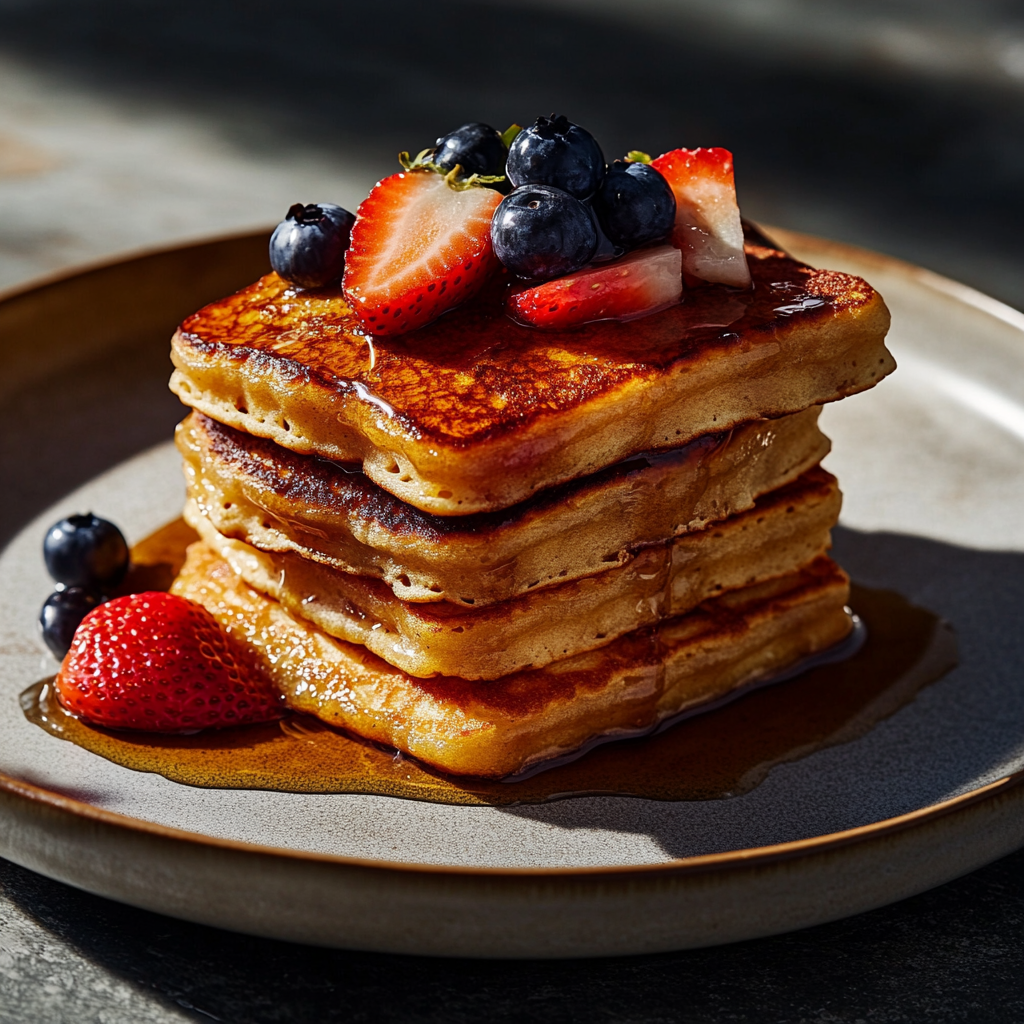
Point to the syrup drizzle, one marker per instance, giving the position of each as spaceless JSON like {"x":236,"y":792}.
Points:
{"x":722,"y":753}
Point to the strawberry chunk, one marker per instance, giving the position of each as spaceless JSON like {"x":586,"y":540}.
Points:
{"x":642,"y":282}
{"x":419,"y":247}
{"x":161,"y":663}
{"x":708,"y":229}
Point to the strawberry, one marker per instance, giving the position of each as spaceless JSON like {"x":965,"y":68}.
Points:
{"x":708,"y":227}
{"x":641,"y":282}
{"x":419,"y":247}
{"x":161,"y":663}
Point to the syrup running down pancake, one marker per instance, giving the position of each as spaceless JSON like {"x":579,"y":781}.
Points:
{"x":476,"y":413}
{"x":498,"y":728}
{"x":785,"y":530}
{"x":255,"y":491}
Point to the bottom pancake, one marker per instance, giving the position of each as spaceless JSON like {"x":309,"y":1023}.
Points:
{"x":498,"y":728}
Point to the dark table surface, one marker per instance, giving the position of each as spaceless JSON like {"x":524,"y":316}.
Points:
{"x":952,"y":954}
{"x":835,"y":133}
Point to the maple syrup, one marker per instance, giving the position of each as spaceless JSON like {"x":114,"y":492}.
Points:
{"x":721,"y":753}
{"x":474,"y":374}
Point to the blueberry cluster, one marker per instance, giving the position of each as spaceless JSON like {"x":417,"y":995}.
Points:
{"x":87,"y":557}
{"x":308,"y":247}
{"x":568,"y":208}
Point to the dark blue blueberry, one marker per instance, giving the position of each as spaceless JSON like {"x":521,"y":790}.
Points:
{"x":61,"y":616}
{"x":541,"y":232}
{"x":477,"y":147}
{"x":308,"y":246}
{"x":86,"y":551}
{"x":556,"y":152}
{"x":634,"y":204}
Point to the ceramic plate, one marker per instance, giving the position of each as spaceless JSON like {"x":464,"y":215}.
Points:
{"x":932,"y":466}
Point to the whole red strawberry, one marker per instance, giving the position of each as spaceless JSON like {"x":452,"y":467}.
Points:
{"x":161,"y":663}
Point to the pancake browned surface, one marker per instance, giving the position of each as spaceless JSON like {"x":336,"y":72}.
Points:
{"x":256,"y":491}
{"x":784,"y":531}
{"x":494,"y":729}
{"x":475,"y":413}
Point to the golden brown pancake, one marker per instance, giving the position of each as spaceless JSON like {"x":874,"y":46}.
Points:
{"x":255,"y":491}
{"x":784,"y":531}
{"x":494,"y":729}
{"x":476,"y":413}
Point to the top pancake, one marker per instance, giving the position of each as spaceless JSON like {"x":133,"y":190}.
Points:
{"x":476,"y":413}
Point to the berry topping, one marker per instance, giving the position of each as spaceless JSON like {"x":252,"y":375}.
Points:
{"x":634,"y":204}
{"x":61,"y":616}
{"x":308,"y":247}
{"x":86,"y":551}
{"x":556,"y":152}
{"x":158,"y":662}
{"x":637,"y":284}
{"x":476,"y":148}
{"x":541,"y":232}
{"x":708,"y":228}
{"x":419,"y":247}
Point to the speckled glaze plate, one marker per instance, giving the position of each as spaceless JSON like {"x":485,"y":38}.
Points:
{"x":932,"y":466}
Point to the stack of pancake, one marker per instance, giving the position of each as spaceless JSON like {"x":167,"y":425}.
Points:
{"x":488,"y":546}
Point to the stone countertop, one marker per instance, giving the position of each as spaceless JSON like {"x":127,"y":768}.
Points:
{"x":954,"y":954}
{"x":124,"y":124}
{"x":893,"y":125}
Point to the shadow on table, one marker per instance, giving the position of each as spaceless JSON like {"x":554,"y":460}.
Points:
{"x":962,"y":728}
{"x":953,"y":954}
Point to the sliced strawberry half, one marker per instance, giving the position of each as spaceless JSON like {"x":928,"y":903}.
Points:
{"x":642,"y":282}
{"x":419,"y":247}
{"x":708,"y":229}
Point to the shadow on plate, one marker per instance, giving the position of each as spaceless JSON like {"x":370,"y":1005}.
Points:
{"x":963,"y":731}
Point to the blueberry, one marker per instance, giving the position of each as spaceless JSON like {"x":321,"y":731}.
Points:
{"x":86,"y":551}
{"x":477,"y":147}
{"x":634,"y":204}
{"x":308,"y":246}
{"x":541,"y":232}
{"x":61,"y":616}
{"x":554,"y":151}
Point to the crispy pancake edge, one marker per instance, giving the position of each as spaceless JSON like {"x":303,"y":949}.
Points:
{"x":495,"y":729}
{"x":786,"y":529}
{"x":820,"y":339}
{"x":277,"y":500}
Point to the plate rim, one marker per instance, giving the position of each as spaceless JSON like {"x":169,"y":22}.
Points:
{"x":41,"y":798}
{"x":937,"y":282}
{"x":100,"y":264}
{"x":746,"y":857}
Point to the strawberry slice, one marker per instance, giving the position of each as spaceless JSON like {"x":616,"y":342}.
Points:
{"x":161,"y":663}
{"x":708,"y":227}
{"x":419,"y":247}
{"x":642,"y":282}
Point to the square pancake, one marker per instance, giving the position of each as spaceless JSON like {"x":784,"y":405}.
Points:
{"x":498,"y":728}
{"x":785,"y":530}
{"x":476,"y":413}
{"x":255,"y":491}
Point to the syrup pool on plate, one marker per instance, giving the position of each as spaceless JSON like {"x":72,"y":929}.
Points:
{"x":718,"y":754}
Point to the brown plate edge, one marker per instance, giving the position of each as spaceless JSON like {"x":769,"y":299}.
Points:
{"x":747,"y":857}
{"x":516,"y":913}
{"x":1004,"y":797}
